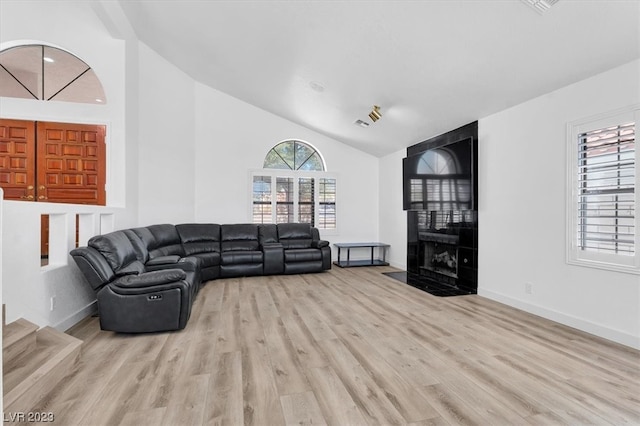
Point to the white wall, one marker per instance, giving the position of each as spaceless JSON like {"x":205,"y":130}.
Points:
{"x":28,"y":288}
{"x":166,"y":167}
{"x":233,"y":137}
{"x":522,"y":215}
{"x":393,"y":219}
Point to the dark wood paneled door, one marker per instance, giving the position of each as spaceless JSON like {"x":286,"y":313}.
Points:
{"x":52,"y":162}
{"x":71,"y":163}
{"x":17,"y":159}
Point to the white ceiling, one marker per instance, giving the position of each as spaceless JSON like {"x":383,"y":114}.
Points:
{"x":432,"y":66}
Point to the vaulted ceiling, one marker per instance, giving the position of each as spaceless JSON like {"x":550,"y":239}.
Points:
{"x":430,"y":65}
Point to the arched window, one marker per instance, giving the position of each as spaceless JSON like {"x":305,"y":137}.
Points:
{"x":46,"y":73}
{"x":294,"y":155}
{"x":293,"y":186}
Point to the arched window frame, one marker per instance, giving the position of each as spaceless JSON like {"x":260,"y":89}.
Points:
{"x":293,"y":194}
{"x":56,"y":74}
{"x":294,"y":154}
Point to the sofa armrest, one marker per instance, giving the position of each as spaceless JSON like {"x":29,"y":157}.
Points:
{"x":163,"y":260}
{"x":173,"y":262}
{"x":149,"y":279}
{"x":319,"y":243}
{"x":271,"y":246}
{"x":273,"y":255}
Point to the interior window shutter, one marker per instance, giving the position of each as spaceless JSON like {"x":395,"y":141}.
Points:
{"x":606,"y":190}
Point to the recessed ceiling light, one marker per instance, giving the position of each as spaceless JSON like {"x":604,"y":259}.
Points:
{"x":48,"y":59}
{"x":98,"y":100}
{"x":316,"y":86}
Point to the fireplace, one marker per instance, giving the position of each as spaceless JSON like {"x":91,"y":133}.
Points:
{"x":439,"y":257}
{"x":441,"y":253}
{"x":440,"y":196}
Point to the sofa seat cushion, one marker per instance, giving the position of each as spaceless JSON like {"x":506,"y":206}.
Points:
{"x":241,"y":257}
{"x":208,"y":259}
{"x":302,"y":255}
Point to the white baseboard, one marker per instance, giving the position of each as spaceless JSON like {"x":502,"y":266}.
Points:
{"x":568,"y":320}
{"x":397,"y":265}
{"x":75,"y":318}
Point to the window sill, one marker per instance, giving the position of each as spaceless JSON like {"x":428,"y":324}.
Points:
{"x":614,"y":267}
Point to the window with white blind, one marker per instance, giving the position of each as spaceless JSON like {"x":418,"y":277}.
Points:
{"x":293,"y":186}
{"x":603,"y":178}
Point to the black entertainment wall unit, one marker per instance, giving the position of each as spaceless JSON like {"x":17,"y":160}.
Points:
{"x":440,"y":194}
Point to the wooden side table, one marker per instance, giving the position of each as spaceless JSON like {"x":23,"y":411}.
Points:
{"x":372,"y":261}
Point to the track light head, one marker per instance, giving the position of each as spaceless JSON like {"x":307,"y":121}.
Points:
{"x":375,"y":114}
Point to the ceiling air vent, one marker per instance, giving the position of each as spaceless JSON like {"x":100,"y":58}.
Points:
{"x":540,"y":6}
{"x":361,"y":123}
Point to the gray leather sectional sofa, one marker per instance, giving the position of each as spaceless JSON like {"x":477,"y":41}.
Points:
{"x":147,"y":278}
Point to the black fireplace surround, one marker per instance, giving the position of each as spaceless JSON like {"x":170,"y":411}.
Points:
{"x":441,"y":199}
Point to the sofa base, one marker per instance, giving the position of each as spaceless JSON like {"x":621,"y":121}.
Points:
{"x":303,"y":267}
{"x":144,"y":313}
{"x":229,"y":271}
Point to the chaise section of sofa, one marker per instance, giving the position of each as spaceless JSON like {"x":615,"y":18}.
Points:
{"x":130,"y":298}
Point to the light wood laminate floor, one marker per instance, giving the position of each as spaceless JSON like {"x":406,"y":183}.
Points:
{"x":348,"y":346}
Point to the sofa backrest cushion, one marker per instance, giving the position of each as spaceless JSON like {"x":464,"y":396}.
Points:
{"x":117,"y":249}
{"x":295,"y":235}
{"x":239,"y":237}
{"x":161,"y":240}
{"x":138,"y":243}
{"x":199,"y":237}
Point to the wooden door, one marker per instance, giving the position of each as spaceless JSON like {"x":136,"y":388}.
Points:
{"x":17,"y":159}
{"x":71,"y":163}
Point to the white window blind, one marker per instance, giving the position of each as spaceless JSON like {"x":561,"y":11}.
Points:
{"x":261,"y":199}
{"x":280,"y":196}
{"x":606,"y":190}
{"x":327,"y":203}
{"x":603,"y":176}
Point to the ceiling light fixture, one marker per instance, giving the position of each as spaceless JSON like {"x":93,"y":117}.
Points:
{"x":318,"y":87}
{"x":540,"y":6}
{"x":375,"y":115}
